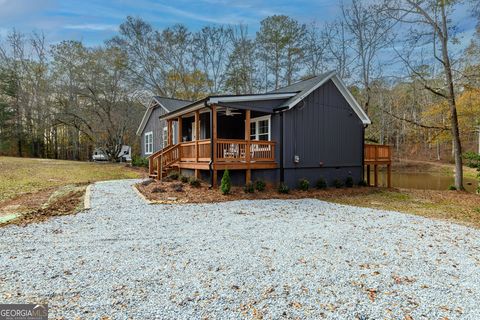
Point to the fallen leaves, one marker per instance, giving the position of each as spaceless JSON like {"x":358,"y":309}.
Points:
{"x":372,"y":294}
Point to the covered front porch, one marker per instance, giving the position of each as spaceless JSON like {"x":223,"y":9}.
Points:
{"x":216,"y":138}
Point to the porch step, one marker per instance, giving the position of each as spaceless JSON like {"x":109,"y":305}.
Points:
{"x":154,"y":174}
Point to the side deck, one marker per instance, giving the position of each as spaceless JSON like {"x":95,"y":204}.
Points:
{"x":377,"y":155}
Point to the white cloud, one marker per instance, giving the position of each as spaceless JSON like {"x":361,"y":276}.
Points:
{"x":92,"y":27}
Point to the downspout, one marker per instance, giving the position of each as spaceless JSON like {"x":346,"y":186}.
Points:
{"x":282,"y":169}
{"x":210,"y":164}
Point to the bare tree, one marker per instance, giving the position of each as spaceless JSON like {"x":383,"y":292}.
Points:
{"x":370,"y":32}
{"x":241,"y":69}
{"x":212,"y":47}
{"x":316,"y":49}
{"x":430,"y":23}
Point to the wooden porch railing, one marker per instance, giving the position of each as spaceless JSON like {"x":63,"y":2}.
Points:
{"x":227,"y":150}
{"x":236,"y":150}
{"x":163,"y":158}
{"x":189,"y":153}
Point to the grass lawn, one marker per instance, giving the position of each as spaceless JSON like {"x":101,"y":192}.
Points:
{"x":459,"y":207}
{"x":43,"y":187}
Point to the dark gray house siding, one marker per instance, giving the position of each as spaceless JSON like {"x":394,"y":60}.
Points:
{"x":326,"y":135}
{"x":154,"y":125}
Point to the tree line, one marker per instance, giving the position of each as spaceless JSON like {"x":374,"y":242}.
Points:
{"x":401,"y":59}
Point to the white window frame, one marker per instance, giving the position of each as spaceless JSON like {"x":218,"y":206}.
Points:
{"x":148,"y":142}
{"x":164,"y":136}
{"x":257,"y":121}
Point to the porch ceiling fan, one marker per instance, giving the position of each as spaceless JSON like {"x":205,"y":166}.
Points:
{"x":230,"y":112}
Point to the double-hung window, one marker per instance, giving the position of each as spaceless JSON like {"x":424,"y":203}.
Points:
{"x":164,"y":137}
{"x":260,"y":128}
{"x":148,"y":142}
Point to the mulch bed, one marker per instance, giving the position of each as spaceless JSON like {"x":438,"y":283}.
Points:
{"x":169,"y":191}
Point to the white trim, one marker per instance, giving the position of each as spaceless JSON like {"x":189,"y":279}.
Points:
{"x":149,"y":133}
{"x":182,"y":111}
{"x":143,"y":123}
{"x":257,"y":97}
{"x":161,"y":105}
{"x":216,"y":100}
{"x":343,"y":90}
{"x":262,"y":118}
{"x":164,"y":136}
{"x":351,"y":100}
{"x":300,"y":97}
{"x":147,"y":114}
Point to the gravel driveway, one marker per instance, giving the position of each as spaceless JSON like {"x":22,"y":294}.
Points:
{"x":304,"y":259}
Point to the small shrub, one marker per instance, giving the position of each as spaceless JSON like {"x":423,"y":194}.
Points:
{"x":321,"y":184}
{"x":174,"y":175}
{"x":337,"y":183}
{"x":147,"y":182}
{"x":139,"y":161}
{"x":249,"y":188}
{"x":303,"y":184}
{"x":349,"y":182}
{"x":362,"y":183}
{"x":260,"y":185}
{"x":194,"y":182}
{"x":226,"y":184}
{"x":283,"y":188}
{"x":158,"y":190}
{"x":184,"y":179}
{"x":472,"y":159}
{"x":452,"y":187}
{"x":178,"y":187}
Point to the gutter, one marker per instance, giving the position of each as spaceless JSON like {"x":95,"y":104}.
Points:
{"x":282,"y":165}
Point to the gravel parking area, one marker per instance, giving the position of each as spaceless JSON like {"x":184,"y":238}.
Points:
{"x":305,"y":259}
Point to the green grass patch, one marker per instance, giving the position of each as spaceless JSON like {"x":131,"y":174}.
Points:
{"x":27,"y":175}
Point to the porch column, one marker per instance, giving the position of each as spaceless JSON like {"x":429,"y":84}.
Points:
{"x":170,"y":132}
{"x":248,"y":173}
{"x":197,"y":136}
{"x":389,"y":175}
{"x":179,"y":129}
{"x":179,"y":136}
{"x":214,"y":144}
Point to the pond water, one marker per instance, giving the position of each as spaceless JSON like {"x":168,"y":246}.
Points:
{"x":422,"y":180}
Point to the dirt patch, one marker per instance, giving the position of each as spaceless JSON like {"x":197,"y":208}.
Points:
{"x":26,"y":202}
{"x":66,"y":200}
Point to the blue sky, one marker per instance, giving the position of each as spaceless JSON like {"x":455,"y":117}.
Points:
{"x":94,"y":21}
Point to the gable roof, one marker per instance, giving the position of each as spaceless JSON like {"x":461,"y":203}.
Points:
{"x":168,"y":104}
{"x":291,"y":96}
{"x":303,"y":85}
{"x":304,"y":88}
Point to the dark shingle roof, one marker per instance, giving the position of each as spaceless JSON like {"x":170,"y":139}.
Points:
{"x":172,"y":104}
{"x":304,"y":85}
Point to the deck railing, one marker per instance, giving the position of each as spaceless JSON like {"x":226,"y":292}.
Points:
{"x":229,"y":150}
{"x":376,"y":153}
